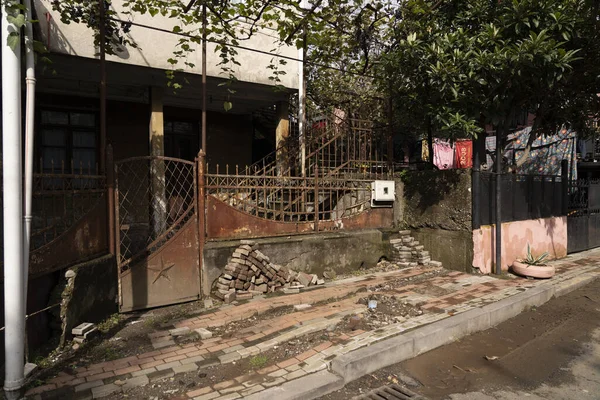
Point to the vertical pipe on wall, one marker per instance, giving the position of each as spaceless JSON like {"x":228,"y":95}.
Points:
{"x":204,"y":22}
{"x":14,"y":304}
{"x":390,"y":137}
{"x":29,"y":141}
{"x":302,"y":98}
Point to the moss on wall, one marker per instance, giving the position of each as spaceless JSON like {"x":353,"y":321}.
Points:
{"x":436,"y":200}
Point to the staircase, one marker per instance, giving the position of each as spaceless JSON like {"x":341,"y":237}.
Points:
{"x":407,"y":252}
{"x":338,"y":157}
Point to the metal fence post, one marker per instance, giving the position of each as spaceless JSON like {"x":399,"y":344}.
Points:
{"x":317,"y":197}
{"x":201,"y":199}
{"x":564,"y":179}
{"x":201,"y":211}
{"x":110,"y":199}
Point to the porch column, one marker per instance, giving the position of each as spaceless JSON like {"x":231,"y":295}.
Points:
{"x":282,"y":133}
{"x":158,"y":209}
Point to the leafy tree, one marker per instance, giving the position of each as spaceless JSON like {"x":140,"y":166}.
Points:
{"x":469,"y":64}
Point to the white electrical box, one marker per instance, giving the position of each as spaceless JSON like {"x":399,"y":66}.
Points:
{"x":382,"y":193}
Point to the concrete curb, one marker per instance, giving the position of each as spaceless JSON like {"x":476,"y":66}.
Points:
{"x":358,"y":363}
{"x":305,"y":388}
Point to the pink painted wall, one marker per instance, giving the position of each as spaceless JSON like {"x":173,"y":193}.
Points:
{"x":544,"y":235}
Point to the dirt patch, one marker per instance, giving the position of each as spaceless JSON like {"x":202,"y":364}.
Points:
{"x":241,"y":328}
{"x":382,"y":266}
{"x":212,"y":374}
{"x":532,"y":349}
{"x":121,"y":335}
{"x":389,"y":310}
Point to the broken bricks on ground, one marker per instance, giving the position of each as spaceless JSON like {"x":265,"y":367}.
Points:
{"x":249,"y":272}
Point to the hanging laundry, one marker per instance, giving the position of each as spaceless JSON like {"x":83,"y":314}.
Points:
{"x":464,"y":153}
{"x":443,"y":154}
{"x":424,"y":150}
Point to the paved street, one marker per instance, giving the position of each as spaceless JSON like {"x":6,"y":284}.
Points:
{"x":552,"y":352}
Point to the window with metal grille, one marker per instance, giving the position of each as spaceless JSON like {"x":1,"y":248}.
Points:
{"x":68,"y":141}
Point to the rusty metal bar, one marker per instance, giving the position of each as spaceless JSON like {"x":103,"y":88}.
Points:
{"x":201,"y":201}
{"x":317,"y":198}
{"x":110,"y":197}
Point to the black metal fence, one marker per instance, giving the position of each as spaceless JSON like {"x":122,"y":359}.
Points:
{"x":523,"y":197}
{"x":584,"y":215}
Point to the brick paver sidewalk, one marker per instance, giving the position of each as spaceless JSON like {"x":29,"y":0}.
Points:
{"x":463,"y":292}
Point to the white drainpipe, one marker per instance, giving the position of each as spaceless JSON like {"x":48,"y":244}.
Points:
{"x":14,"y":305}
{"x":302,"y":100}
{"x":29,"y":140}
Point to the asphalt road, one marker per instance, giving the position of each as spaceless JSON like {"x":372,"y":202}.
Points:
{"x":551,"y":352}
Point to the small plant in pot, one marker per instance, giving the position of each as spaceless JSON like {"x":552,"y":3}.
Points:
{"x":534,"y":267}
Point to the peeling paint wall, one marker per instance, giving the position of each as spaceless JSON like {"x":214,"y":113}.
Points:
{"x":543,"y":235}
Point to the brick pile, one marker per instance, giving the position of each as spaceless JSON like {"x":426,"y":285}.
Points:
{"x":249,"y":272}
{"x":407,"y":252}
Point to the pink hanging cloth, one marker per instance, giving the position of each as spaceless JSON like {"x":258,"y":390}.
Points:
{"x":443,"y":154}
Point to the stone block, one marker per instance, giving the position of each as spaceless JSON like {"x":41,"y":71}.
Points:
{"x":244,"y":296}
{"x":204,"y":333}
{"x":230,"y":297}
{"x":302,"y":307}
{"x":304,"y":279}
{"x":180,"y":331}
{"x":290,"y":291}
{"x":82,"y":329}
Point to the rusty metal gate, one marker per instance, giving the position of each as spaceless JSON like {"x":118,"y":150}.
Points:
{"x":156,"y":232}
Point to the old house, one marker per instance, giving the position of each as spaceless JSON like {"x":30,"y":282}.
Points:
{"x":133,"y":211}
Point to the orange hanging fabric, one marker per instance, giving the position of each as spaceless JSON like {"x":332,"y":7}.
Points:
{"x":464,"y":154}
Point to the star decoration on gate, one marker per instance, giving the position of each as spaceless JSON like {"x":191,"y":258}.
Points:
{"x":162,"y":271}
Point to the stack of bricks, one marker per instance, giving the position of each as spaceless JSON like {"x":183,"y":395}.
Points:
{"x":249,"y":272}
{"x":407,"y":252}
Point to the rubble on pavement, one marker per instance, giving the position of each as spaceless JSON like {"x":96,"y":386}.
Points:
{"x":249,"y":272}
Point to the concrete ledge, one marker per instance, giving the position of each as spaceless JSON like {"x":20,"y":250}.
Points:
{"x":574,"y":284}
{"x":305,"y":388}
{"x":365,"y":360}
{"x":352,"y":366}
{"x":448,"y":330}
{"x":514,"y":305}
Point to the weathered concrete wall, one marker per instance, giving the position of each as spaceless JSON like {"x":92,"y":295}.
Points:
{"x":543,"y":235}
{"x":436,"y":207}
{"x":453,"y":248}
{"x":156,"y":47}
{"x":437,"y":200}
{"x":309,"y":253}
{"x":90,"y":294}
